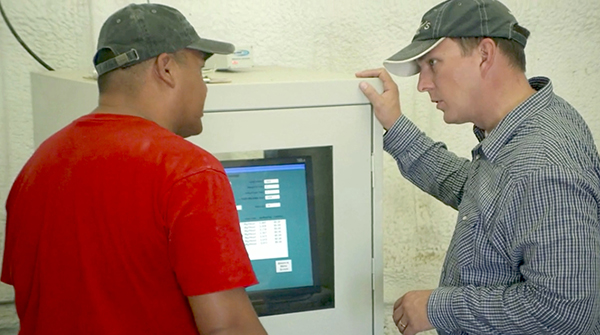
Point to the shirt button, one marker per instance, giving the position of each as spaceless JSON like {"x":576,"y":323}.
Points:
{"x":464,"y":218}
{"x":476,"y":157}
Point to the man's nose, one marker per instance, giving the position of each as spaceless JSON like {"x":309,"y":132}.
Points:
{"x":425,"y":83}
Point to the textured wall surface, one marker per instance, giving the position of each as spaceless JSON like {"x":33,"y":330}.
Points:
{"x":337,"y":35}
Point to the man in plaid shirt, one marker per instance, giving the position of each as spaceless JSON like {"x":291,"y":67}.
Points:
{"x":525,"y":255}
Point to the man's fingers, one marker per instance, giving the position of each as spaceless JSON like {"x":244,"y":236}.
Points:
{"x":386,"y":105}
{"x":371,"y":73}
{"x":382,"y":74}
{"x":388,"y":83}
{"x":370,"y":92}
{"x":398,"y":302}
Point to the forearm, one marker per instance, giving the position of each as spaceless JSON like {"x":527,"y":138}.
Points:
{"x":425,"y":163}
{"x":225,"y":312}
{"x":516,"y":309}
{"x":253,"y":329}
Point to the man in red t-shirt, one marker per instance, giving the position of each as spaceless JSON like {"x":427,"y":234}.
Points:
{"x":117,"y":225}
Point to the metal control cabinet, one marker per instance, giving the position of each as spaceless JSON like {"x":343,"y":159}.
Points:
{"x":276,"y":108}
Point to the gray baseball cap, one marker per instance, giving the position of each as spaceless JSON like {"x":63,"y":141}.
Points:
{"x":141,"y":31}
{"x":456,"y":18}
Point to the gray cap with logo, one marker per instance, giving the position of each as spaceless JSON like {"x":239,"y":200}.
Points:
{"x":456,"y":18}
{"x":141,"y":31}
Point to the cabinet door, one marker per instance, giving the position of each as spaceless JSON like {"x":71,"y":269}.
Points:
{"x":348,"y":130}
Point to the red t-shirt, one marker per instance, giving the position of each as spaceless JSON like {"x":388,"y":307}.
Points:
{"x":112,"y":223}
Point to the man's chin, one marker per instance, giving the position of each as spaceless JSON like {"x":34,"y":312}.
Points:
{"x":449,"y":120}
{"x":190,"y":131}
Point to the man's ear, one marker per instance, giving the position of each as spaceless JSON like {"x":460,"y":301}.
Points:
{"x":488,"y":51}
{"x":165,"y":69}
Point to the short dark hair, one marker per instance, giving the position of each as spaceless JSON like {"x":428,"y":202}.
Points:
{"x":510,"y":48}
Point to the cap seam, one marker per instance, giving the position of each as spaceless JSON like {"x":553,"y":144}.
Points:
{"x":481,"y":11}
{"x":147,"y":37}
{"x":486,"y":20}
{"x":438,"y":27}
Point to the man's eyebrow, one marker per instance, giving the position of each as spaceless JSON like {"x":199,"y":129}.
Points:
{"x":422,"y":59}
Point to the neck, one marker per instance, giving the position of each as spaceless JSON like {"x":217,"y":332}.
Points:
{"x":117,"y":104}
{"x":506,"y":94}
{"x":140,"y":105}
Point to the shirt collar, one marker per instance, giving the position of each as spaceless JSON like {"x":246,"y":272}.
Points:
{"x":491,"y":144}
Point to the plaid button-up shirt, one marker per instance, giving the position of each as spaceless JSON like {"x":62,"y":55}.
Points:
{"x":525,"y":255}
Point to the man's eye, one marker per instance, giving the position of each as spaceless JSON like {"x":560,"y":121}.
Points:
{"x":432,"y":62}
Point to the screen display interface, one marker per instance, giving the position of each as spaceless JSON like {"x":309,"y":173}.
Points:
{"x":272,"y":201}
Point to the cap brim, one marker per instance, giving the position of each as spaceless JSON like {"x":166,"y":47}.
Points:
{"x":212,"y":47}
{"x":404,"y":62}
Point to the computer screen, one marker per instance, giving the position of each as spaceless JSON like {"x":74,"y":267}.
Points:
{"x":275,"y":202}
